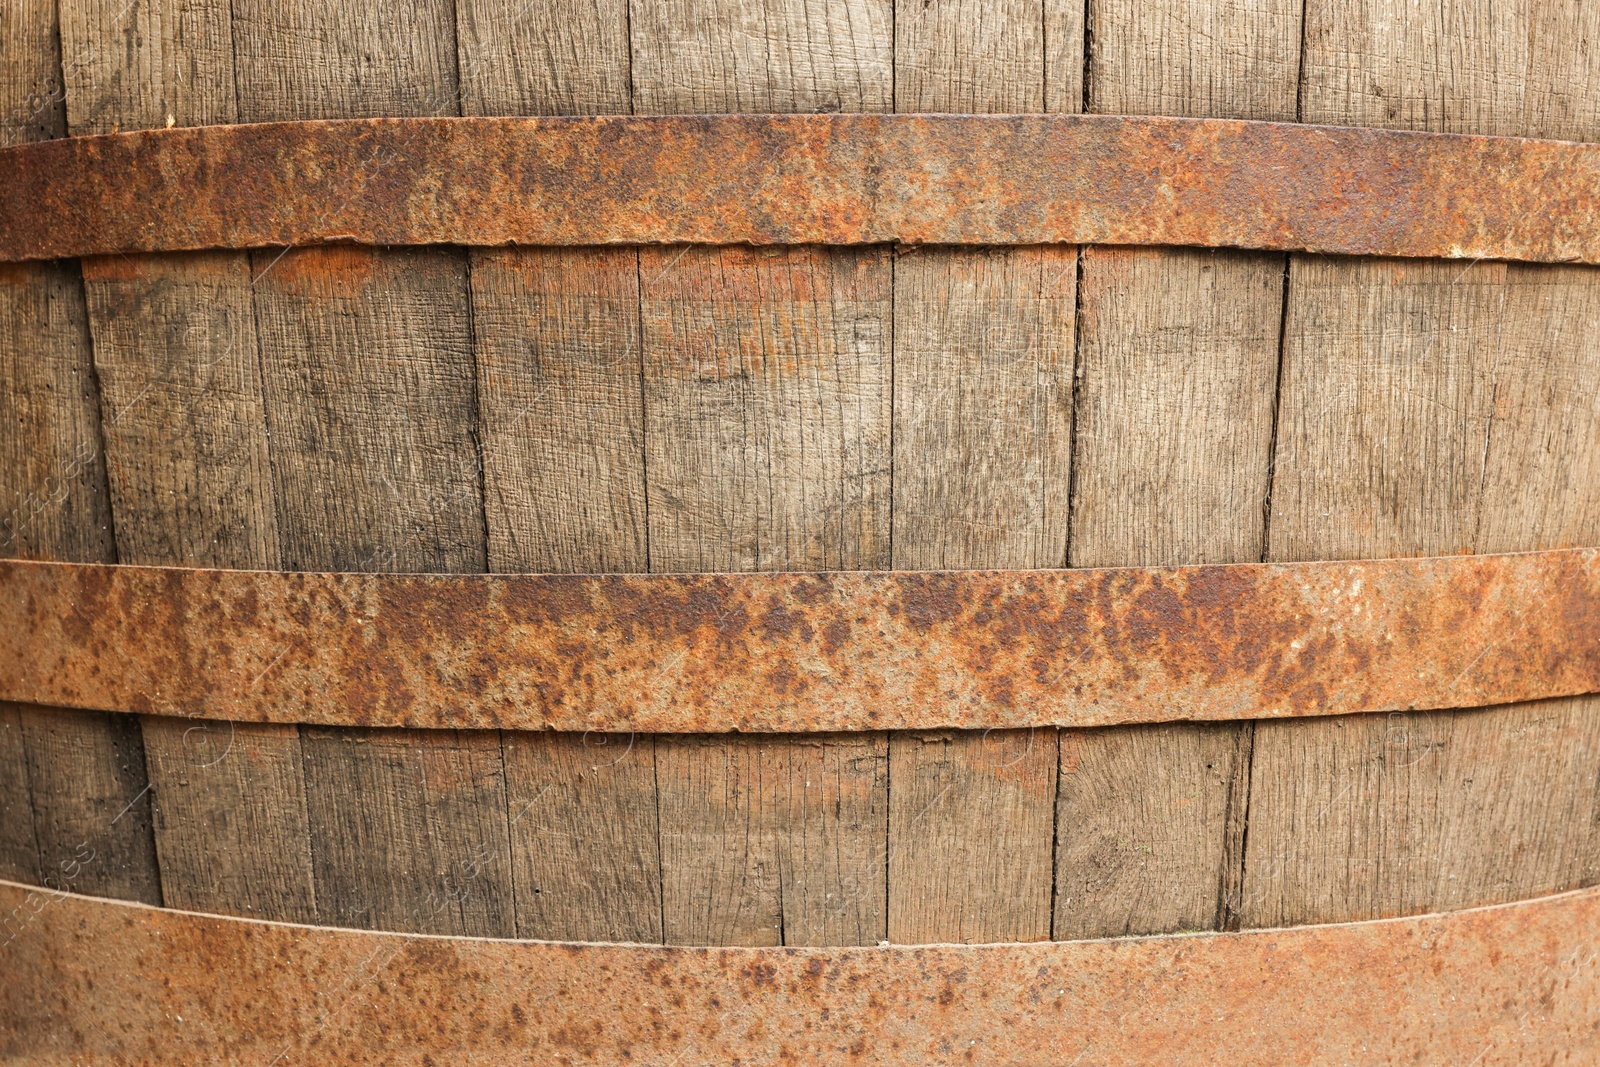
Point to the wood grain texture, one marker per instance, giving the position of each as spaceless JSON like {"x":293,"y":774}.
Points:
{"x":691,"y":56}
{"x":970,"y":825}
{"x":145,"y":64}
{"x":32,"y":103}
{"x":91,"y":813}
{"x":969,"y":56}
{"x":1197,"y":58}
{"x":369,"y":379}
{"x":185,"y":431}
{"x":1142,"y":824}
{"x":773,"y":840}
{"x":561,"y":421}
{"x":586,"y":860}
{"x":410,"y":830}
{"x":1178,"y":363}
{"x":570,"y":57}
{"x":983,"y":431}
{"x":767,"y":407}
{"x":1465,"y":437}
{"x":556,"y":333}
{"x":983,"y":407}
{"x":186,"y":450}
{"x":1177,"y":366}
{"x":19,"y":846}
{"x":344,"y":60}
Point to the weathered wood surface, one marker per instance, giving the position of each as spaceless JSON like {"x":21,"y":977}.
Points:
{"x":186,"y":447}
{"x":796,"y":408}
{"x":1441,"y":376}
{"x":76,"y":790}
{"x":1177,"y":370}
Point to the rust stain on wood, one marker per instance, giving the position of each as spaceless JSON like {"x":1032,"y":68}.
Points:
{"x":105,"y":982}
{"x":803,"y":652}
{"x":793,"y":179}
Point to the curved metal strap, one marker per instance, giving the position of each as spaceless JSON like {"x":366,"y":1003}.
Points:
{"x":803,"y":652}
{"x":788,"y":179}
{"x":91,"y":981}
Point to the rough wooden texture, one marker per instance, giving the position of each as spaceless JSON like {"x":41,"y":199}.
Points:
{"x":184,"y":428}
{"x":145,"y":64}
{"x":570,"y":57}
{"x":91,"y":811}
{"x":562,"y":417}
{"x":971,"y":57}
{"x":32,"y":105}
{"x":970,"y":824}
{"x":1178,"y":363}
{"x":1425,"y":407}
{"x":767,"y":408}
{"x":367,"y":368}
{"x":769,"y":55}
{"x":584,"y":846}
{"x":774,"y":840}
{"x":410,"y":830}
{"x":1199,"y":58}
{"x":19,"y":848}
{"x":1177,"y":368}
{"x":186,"y":450}
{"x":1142,"y":829}
{"x":983,"y":407}
{"x":368,"y":373}
{"x":983,"y":431}
{"x":344,"y":60}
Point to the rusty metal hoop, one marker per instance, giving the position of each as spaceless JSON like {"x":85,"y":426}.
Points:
{"x":107,"y":982}
{"x":787,"y":179}
{"x":803,"y":652}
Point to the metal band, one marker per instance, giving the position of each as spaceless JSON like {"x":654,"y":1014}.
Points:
{"x":803,"y":652}
{"x":92,"y":981}
{"x":786,"y":179}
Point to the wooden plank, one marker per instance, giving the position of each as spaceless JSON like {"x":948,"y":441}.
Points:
{"x":774,"y":55}
{"x":1453,"y":419}
{"x":981,"y":455}
{"x":561,"y":419}
{"x":1197,"y":58}
{"x":1177,"y":365}
{"x":566,"y":58}
{"x":584,"y":841}
{"x":32,"y":105}
{"x":969,"y":56}
{"x":369,"y":382}
{"x":19,"y":846}
{"x":419,"y":841}
{"x":344,"y":60}
{"x":561,"y":413}
{"x":983,"y":407}
{"x":186,"y":451}
{"x":970,"y":824}
{"x":767,"y":406}
{"x":766,"y":395}
{"x":149,"y":64}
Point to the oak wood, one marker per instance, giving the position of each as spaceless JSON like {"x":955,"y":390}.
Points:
{"x":19,"y":847}
{"x":186,"y":450}
{"x":567,"y":57}
{"x":1426,"y":414}
{"x":556,"y":333}
{"x":1177,"y":365}
{"x":368,"y":374}
{"x":983,"y":430}
{"x":767,"y":55}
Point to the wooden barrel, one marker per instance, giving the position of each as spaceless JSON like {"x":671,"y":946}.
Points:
{"x":697,"y":408}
